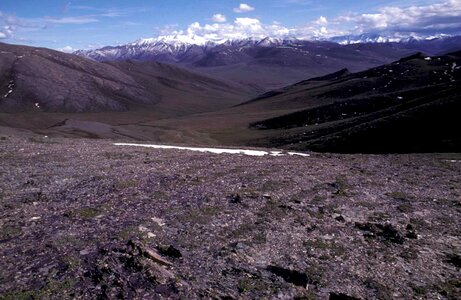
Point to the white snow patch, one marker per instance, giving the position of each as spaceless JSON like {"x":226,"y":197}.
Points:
{"x":142,"y":228}
{"x":7,"y":94}
{"x":428,"y":58}
{"x":10,"y":87}
{"x":277,"y":153}
{"x":299,"y":154}
{"x":217,"y":150}
{"x":37,"y":105}
{"x":159,"y":221}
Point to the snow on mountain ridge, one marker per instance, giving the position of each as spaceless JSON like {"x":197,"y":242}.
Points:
{"x":376,"y":38}
{"x":175,"y":48}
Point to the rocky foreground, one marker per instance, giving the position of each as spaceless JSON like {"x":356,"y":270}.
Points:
{"x":85,"y":219}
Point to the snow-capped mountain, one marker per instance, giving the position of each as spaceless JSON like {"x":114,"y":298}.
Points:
{"x":378,"y":38}
{"x":257,"y":61}
{"x":178,"y":48}
{"x":192,"y":49}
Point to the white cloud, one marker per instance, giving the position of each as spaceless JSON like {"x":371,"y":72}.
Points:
{"x":241,"y":28}
{"x":321,"y":21}
{"x":396,"y":20}
{"x":66,"y":49}
{"x":422,"y":18}
{"x":72,"y":20}
{"x":243,"y":8}
{"x":391,"y":21}
{"x":6,"y":31}
{"x":219,"y":18}
{"x":10,"y":25}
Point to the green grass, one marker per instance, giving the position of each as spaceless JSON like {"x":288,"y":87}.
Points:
{"x":398,"y":195}
{"x":42,"y":140}
{"x":343,"y":186}
{"x":53,"y":289}
{"x":202,"y":215}
{"x":117,"y":155}
{"x":10,"y":231}
{"x":125,"y":184}
{"x":84,"y":213}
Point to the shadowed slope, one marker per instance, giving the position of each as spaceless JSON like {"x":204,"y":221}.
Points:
{"x":408,"y":106}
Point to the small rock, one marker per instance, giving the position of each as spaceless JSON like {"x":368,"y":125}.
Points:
{"x":84,"y":252}
{"x":235,"y":198}
{"x":291,"y":276}
{"x":155,"y":257}
{"x":339,"y":218}
{"x":151,"y":235}
{"x":33,"y":195}
{"x":142,"y":228}
{"x":159,"y":221}
{"x":169,"y":251}
{"x":455,"y":260}
{"x":411,"y":233}
{"x":341,"y":296}
{"x":386,"y":231}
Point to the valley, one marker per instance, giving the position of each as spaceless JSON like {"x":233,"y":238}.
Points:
{"x":164,"y":103}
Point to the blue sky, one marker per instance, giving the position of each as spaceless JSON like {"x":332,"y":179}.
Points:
{"x":83,"y":24}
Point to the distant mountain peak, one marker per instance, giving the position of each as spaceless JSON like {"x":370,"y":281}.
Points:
{"x":383,"y":38}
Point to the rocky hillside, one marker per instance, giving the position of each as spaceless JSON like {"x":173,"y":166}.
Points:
{"x":411,"y":105}
{"x":43,"y":80}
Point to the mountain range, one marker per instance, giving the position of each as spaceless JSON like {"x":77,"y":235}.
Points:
{"x":269,"y":63}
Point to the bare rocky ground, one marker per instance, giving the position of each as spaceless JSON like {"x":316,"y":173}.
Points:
{"x":84,"y":219}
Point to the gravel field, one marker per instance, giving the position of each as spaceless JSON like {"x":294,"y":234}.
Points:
{"x":86,"y":219}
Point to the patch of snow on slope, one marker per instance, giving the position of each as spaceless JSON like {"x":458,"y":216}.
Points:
{"x":10,"y":89}
{"x":217,"y":150}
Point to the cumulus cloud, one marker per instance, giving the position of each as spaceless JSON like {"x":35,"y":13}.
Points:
{"x":10,"y":23}
{"x":66,"y":49}
{"x":434,"y":17}
{"x":388,"y":21}
{"x":243,"y":28}
{"x":243,"y":8}
{"x":6,"y":31}
{"x":219,"y":18}
{"x":321,"y":21}
{"x":442,"y":17}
